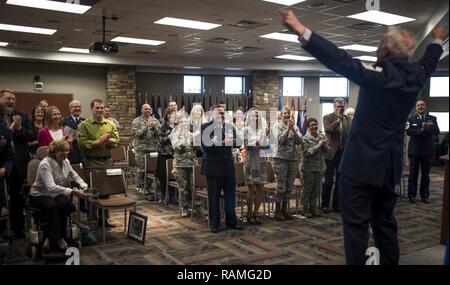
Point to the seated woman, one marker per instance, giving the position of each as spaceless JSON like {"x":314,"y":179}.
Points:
{"x":51,"y":190}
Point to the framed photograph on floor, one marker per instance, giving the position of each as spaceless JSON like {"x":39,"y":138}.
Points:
{"x":137,"y":226}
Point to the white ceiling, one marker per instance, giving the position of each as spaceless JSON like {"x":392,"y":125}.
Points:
{"x":188,"y":47}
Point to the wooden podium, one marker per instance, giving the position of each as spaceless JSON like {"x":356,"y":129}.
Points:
{"x":444,"y":221}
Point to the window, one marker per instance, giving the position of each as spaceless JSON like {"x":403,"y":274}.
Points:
{"x":442,"y":120}
{"x":439,"y":87}
{"x":333,"y":87}
{"x":292,"y":86}
{"x":325,"y":109}
{"x":234,"y":85}
{"x":193,"y":84}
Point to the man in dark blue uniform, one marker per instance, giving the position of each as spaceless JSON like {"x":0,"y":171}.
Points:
{"x":371,"y":163}
{"x":421,"y":128}
{"x":20,"y":125}
{"x":218,"y":138}
{"x":72,"y":122}
{"x":7,"y":156}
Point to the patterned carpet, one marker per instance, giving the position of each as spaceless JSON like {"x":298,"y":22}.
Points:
{"x":171,"y":239}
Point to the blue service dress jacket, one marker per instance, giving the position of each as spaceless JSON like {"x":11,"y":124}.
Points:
{"x":217,"y":158}
{"x":388,"y":92}
{"x":421,"y":141}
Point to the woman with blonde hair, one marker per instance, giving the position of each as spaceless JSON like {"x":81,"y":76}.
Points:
{"x":256,"y":141}
{"x":196,"y":119}
{"x":53,"y":130}
{"x":51,"y":192}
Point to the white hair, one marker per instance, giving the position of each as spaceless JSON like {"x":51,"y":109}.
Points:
{"x":74,"y":101}
{"x":399,"y":41}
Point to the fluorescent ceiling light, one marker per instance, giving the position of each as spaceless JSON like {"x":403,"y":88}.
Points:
{"x":294,"y":57}
{"x":360,"y":48}
{"x":3,"y":44}
{"x":25,"y":29}
{"x":192,"y":67}
{"x":233,"y":68}
{"x":187,"y":23}
{"x":367,"y":58}
{"x":285,"y":2}
{"x":381,"y":18}
{"x":51,"y":5}
{"x":137,"y":41}
{"x":281,"y":37}
{"x":75,"y":50}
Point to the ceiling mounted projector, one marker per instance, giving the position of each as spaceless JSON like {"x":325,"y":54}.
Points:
{"x":104,"y":46}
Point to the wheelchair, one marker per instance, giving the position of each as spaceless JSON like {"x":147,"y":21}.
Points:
{"x":35,"y":223}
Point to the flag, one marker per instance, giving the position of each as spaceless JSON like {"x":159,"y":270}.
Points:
{"x":158,"y":106}
{"x":292,"y":107}
{"x":280,"y":103}
{"x":183,"y":103}
{"x":153,"y":104}
{"x":146,"y":98}
{"x":299,"y":115}
{"x":305,"y":117}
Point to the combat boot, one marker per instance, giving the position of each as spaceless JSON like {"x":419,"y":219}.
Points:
{"x":278,"y":213}
{"x":285,"y":211}
{"x":306,"y":212}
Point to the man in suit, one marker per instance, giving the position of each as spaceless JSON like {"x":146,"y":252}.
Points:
{"x":421,"y":128}
{"x":7,"y":156}
{"x":371,"y":163}
{"x":336,"y":126}
{"x":20,"y":126}
{"x":218,"y":138}
{"x":72,"y":122}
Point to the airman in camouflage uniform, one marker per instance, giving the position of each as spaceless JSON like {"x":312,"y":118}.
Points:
{"x":145,"y":130}
{"x":285,"y":164}
{"x":314,"y":148}
{"x":184,"y":159}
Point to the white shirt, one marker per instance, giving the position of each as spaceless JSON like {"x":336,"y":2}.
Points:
{"x":53,"y":180}
{"x":57,"y":135}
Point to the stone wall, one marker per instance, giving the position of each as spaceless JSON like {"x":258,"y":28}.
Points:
{"x":121,"y":96}
{"x":265,"y":90}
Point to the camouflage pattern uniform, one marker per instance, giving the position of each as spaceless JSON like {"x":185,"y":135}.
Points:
{"x":146,"y":141}
{"x":313,"y":168}
{"x":184,"y":159}
{"x":285,"y":164}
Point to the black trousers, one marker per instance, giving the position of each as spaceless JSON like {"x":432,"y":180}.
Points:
{"x":424,"y":162}
{"x":362,"y":204}
{"x":215,"y":187}
{"x":330,"y":172}
{"x":18,"y":198}
{"x":2,"y":193}
{"x":56,"y":210}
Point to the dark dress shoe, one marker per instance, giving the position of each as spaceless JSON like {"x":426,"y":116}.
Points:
{"x":236,"y":226}
{"x":426,"y":201}
{"x":215,"y":230}
{"x":412,"y":200}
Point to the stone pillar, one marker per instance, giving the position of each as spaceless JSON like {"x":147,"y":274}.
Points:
{"x":265,"y":90}
{"x":121,"y":96}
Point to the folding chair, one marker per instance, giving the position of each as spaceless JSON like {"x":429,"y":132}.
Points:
{"x":108,"y":185}
{"x":241,"y":188}
{"x":5,"y":211}
{"x":199,"y":188}
{"x":171,"y":182}
{"x":150,"y":168}
{"x":119,"y":157}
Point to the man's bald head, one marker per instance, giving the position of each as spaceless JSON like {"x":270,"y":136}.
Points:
{"x":146,"y":110}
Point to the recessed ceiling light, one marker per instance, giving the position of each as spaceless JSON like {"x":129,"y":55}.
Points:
{"x":294,"y":57}
{"x":381,"y":18}
{"x":360,"y":48}
{"x":51,"y":5}
{"x":281,"y":37}
{"x":3,"y":44}
{"x":137,"y":41}
{"x":367,"y":58}
{"x":187,"y":23}
{"x":25,"y":29}
{"x":75,"y":50}
{"x":285,"y":2}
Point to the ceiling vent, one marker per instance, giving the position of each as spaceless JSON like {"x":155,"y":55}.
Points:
{"x":220,"y":40}
{"x":246,"y":24}
{"x":25,"y":43}
{"x":365,"y":26}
